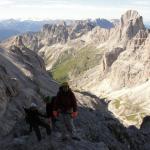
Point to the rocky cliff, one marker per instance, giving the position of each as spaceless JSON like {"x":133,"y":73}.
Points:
{"x":124,"y":69}
{"x":23,"y":78}
{"x":57,"y":33}
{"x":96,"y":126}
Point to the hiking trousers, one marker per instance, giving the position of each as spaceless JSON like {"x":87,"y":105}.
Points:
{"x":66,"y":125}
{"x":36,"y":129}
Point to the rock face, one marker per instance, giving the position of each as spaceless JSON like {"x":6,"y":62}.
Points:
{"x":80,"y":28}
{"x":96,"y":126}
{"x":133,"y":21}
{"x":57,"y":33}
{"x":23,"y":79}
{"x":123,"y":70}
{"x":110,"y":57}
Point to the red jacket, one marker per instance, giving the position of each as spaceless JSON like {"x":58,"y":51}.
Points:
{"x":65,"y":102}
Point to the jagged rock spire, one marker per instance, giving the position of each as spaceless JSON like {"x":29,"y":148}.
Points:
{"x":131,"y":22}
{"x":18,"y":41}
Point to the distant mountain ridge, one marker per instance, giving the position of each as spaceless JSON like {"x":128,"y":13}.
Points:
{"x":103,"y":23}
{"x":5,"y":33}
{"x":13,"y":27}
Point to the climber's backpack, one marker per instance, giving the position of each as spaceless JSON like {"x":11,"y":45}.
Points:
{"x":26,"y":110}
{"x":48,"y":99}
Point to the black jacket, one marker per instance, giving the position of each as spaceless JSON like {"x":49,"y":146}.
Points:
{"x":65,"y":102}
{"x":49,"y":107}
{"x":33,"y":116}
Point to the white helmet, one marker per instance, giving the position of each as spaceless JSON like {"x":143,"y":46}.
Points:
{"x":33,"y":105}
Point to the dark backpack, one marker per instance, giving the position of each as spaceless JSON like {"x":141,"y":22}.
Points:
{"x":26,"y":110}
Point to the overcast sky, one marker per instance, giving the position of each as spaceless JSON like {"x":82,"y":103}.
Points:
{"x":71,"y":9}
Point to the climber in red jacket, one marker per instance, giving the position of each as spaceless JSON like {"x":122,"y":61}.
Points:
{"x":65,"y":107}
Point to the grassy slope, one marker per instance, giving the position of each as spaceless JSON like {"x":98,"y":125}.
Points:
{"x":75,"y":63}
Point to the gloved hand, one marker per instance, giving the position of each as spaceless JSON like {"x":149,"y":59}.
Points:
{"x":49,"y":120}
{"x":74,"y":114}
{"x":55,"y":114}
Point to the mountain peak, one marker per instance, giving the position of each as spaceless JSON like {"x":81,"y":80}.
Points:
{"x":131,"y":22}
{"x":131,"y":16}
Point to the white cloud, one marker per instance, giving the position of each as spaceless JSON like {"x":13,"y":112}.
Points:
{"x":60,"y":11}
{"x":142,"y":3}
{"x":69,"y":9}
{"x":5,"y":2}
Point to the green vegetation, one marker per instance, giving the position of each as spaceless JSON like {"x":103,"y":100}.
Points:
{"x":117,"y":103}
{"x":132,"y":118}
{"x":75,"y":62}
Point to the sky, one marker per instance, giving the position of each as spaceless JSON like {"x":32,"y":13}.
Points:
{"x":71,"y":9}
